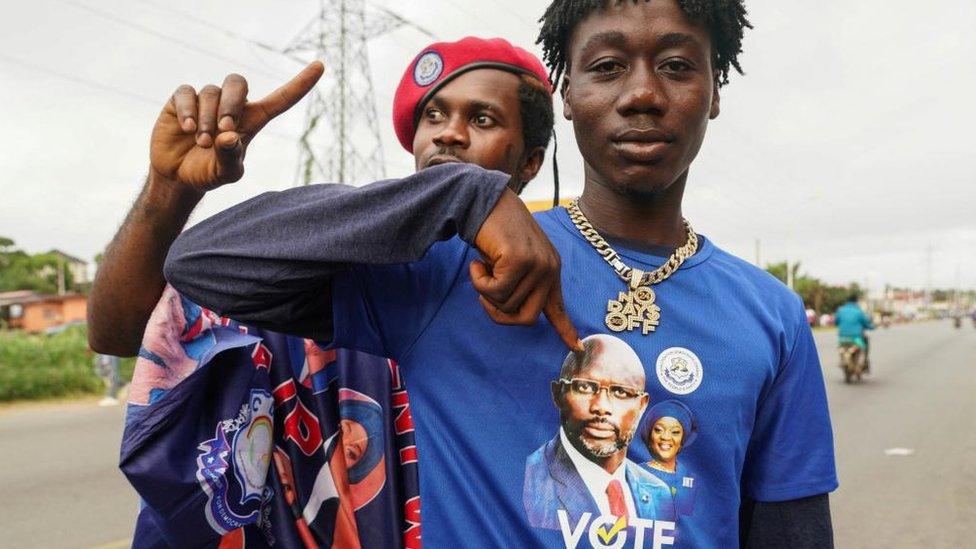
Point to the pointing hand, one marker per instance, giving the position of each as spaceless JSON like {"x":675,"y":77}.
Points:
{"x":200,"y":139}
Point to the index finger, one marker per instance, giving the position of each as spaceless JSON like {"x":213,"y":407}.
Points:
{"x":290,"y":93}
{"x":555,"y":311}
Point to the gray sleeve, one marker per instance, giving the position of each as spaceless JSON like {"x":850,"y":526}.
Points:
{"x":799,"y":523}
{"x":269,"y":261}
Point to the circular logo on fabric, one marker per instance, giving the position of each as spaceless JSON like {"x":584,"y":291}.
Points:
{"x":679,"y":370}
{"x":428,"y":68}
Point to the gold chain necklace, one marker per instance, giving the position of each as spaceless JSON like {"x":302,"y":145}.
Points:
{"x":635,"y":308}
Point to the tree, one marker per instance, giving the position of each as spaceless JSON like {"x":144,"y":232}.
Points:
{"x":22,"y":271}
{"x":779,"y":271}
{"x":815,"y":294}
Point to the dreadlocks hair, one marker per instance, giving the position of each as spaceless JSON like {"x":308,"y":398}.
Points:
{"x":724,"y":19}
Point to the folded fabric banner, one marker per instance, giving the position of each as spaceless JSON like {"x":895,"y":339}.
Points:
{"x":238,"y":437}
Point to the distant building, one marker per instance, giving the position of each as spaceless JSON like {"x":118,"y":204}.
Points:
{"x":33,"y":312}
{"x":77,"y":267}
{"x":905,"y":304}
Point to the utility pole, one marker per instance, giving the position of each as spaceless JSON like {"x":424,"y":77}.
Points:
{"x":61,"y":277}
{"x":867,"y":296}
{"x":789,"y":273}
{"x":928,"y":275}
{"x":341,"y":140}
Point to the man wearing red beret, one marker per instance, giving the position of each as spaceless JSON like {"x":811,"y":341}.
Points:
{"x":485,"y":82}
{"x":477,"y":100}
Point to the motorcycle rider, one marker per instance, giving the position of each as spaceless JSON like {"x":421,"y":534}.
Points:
{"x":852,"y":323}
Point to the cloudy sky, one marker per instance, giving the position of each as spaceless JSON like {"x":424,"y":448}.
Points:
{"x":848,"y":145}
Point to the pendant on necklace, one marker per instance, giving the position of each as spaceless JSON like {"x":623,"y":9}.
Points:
{"x":635,"y":308}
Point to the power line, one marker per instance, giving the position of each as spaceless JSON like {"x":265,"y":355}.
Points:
{"x":226,"y":32}
{"x":167,"y":37}
{"x":339,"y":35}
{"x":78,"y":80}
{"x":108,"y":89}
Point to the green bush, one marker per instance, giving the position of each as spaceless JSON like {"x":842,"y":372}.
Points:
{"x":40,"y":366}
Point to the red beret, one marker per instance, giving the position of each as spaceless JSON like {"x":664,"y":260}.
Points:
{"x":440,"y":63}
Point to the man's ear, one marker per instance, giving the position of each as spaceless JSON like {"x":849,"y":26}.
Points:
{"x":564,"y":93}
{"x":557,"y":389}
{"x":531,"y":164}
{"x":716,"y":99}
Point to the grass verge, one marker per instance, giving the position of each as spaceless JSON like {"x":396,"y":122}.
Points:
{"x":46,"y":366}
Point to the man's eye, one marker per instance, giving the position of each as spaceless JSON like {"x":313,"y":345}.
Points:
{"x":483,"y":121}
{"x":583,"y":388}
{"x":607,"y":67}
{"x":676,"y":65}
{"x":623,"y":392}
{"x":433,"y":115}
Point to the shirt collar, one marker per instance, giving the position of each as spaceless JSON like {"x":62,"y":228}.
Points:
{"x":595,"y":477}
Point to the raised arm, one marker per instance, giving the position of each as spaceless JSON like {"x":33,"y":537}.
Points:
{"x":130,"y":280}
{"x":269,"y":261}
{"x":198,"y":144}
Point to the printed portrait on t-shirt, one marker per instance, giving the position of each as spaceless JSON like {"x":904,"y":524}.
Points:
{"x":177,"y":336}
{"x":668,"y":428}
{"x":580,"y":481}
{"x":354,"y":472}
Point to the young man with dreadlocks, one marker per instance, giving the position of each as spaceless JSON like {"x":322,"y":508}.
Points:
{"x":725,"y":345}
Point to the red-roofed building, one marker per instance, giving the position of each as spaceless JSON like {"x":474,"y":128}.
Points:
{"x":33,"y":312}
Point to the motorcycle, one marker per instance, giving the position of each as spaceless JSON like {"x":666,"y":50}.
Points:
{"x":851,"y":361}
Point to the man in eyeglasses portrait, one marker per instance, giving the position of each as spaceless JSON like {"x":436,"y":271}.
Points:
{"x":584,"y":469}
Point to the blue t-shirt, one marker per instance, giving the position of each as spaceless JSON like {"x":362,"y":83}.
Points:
{"x":732,"y":346}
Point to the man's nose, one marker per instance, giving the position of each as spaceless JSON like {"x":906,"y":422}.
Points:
{"x":600,"y":402}
{"x":642,"y":92}
{"x":453,"y":134}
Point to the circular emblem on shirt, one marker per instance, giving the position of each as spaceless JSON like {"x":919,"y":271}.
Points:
{"x":679,"y":370}
{"x":428,"y":68}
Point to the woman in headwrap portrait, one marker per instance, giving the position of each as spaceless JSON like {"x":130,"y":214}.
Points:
{"x":361,"y":425}
{"x":354,"y":472}
{"x":668,"y":428}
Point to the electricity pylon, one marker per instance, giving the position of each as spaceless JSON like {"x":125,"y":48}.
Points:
{"x":341,"y":140}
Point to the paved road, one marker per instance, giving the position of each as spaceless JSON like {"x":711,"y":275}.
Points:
{"x":922,"y":397}
{"x":58,"y":476}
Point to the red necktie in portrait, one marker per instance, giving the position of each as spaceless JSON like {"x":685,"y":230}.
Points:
{"x":615,"y":494}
